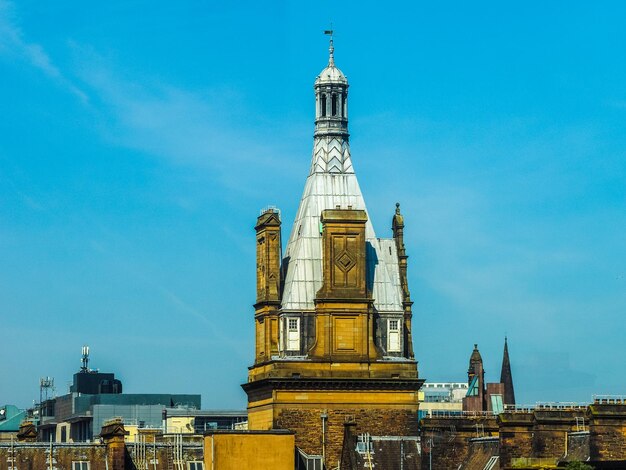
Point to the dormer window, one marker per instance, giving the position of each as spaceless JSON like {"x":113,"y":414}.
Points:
{"x":293,"y":334}
{"x":393,"y":336}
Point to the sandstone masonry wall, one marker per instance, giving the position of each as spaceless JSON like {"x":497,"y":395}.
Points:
{"x":307,"y":424}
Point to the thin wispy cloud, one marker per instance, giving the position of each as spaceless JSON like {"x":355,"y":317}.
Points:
{"x":13,"y":43}
{"x":201,"y":128}
{"x":198,"y":129}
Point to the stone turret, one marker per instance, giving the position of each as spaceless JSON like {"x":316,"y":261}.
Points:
{"x":397,"y":227}
{"x":475,"y":399}
{"x":268,"y":285}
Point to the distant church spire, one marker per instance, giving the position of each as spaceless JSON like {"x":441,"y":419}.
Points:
{"x":506,"y":378}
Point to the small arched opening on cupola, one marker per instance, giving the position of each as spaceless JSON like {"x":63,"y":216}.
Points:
{"x":334,"y":105}
{"x":323,"y":105}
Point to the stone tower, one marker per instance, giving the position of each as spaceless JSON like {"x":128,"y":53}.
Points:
{"x":333,"y":314}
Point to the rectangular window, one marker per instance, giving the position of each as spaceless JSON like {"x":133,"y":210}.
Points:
{"x":293,"y":334}
{"x":83,"y":465}
{"x":393,"y":336}
{"x":195,"y":466}
{"x":364,"y":444}
{"x":314,"y":462}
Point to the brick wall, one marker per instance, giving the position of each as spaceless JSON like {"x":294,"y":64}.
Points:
{"x":445,"y":441}
{"x":550,"y":432}
{"x":35,"y":456}
{"x":607,"y":431}
{"x":516,"y":434}
{"x":307,"y":424}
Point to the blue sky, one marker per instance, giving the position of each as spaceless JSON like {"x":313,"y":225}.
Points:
{"x":138,"y":141}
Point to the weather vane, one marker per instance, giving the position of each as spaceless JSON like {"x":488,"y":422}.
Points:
{"x":331,"y":49}
{"x":330,"y":31}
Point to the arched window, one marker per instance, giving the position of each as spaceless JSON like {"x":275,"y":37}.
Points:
{"x":323,"y":105}
{"x":334,"y":105}
{"x":343,"y":105}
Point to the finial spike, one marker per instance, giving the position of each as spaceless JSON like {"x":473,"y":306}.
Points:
{"x":331,"y":47}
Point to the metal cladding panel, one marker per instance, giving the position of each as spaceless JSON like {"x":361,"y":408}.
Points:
{"x":326,"y":190}
{"x":387,"y":289}
{"x":331,"y":183}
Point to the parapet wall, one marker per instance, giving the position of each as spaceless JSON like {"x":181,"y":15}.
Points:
{"x":110,"y":452}
{"x":607,"y":430}
{"x":36,"y":455}
{"x":545,"y":434}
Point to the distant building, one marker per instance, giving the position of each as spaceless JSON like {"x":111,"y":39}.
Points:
{"x":96,"y":398}
{"x":442,"y":398}
{"x":483,"y":396}
{"x":181,"y":420}
{"x":10,"y":418}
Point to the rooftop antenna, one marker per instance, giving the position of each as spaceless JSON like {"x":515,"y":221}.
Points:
{"x":45,"y":384}
{"x":85,"y":359}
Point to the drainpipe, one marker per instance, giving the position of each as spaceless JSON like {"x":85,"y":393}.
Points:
{"x":324,"y":417}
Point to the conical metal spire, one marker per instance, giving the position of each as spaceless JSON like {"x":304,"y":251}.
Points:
{"x":331,"y":183}
{"x":506,"y":378}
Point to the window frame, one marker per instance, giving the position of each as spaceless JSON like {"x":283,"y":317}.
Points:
{"x":394,"y":345}
{"x":292,"y":344}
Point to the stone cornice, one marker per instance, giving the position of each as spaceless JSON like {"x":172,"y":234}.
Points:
{"x":328,"y":383}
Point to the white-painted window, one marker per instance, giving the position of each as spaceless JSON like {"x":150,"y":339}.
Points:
{"x":82,"y":465}
{"x":393,"y":336}
{"x":293,"y":334}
